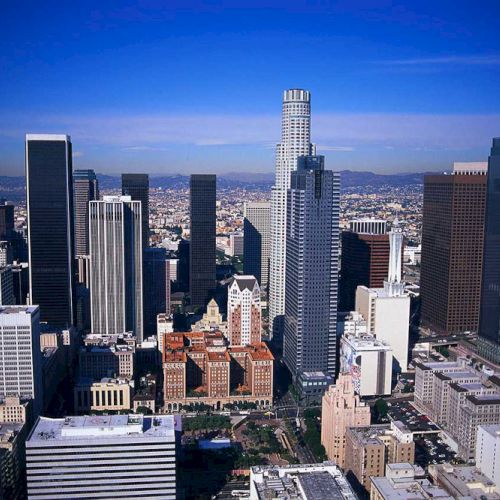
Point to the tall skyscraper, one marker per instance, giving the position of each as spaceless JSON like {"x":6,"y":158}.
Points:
{"x":257,"y":240}
{"x":365,"y":259}
{"x":311,"y":268}
{"x":116,"y":266}
{"x":452,"y":248}
{"x":6,"y":221}
{"x":20,"y":356}
{"x":295,"y":142}
{"x":50,"y":227}
{"x":489,"y":320}
{"x":244,"y":325}
{"x":7,"y":296}
{"x":85,"y":189}
{"x":137,"y":187}
{"x":156,"y":282}
{"x":202,"y":244}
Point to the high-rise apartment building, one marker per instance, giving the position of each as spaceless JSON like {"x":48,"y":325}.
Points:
{"x":295,"y":142}
{"x":244,"y":323}
{"x":365,"y":259}
{"x":116,"y":456}
{"x":116,"y":266}
{"x":85,"y":189}
{"x":137,"y":187}
{"x":202,"y":245}
{"x":341,"y":409}
{"x":49,"y":189}
{"x":20,"y":356}
{"x":257,"y":240}
{"x":452,"y":248}
{"x":489,"y":318}
{"x":312,"y":246}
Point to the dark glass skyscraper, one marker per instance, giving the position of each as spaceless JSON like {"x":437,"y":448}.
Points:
{"x":137,"y":187}
{"x":202,"y":245}
{"x":312,"y":249}
{"x":452,"y":246}
{"x":489,"y":319}
{"x":49,"y":188}
{"x":6,"y":221}
{"x":85,"y":189}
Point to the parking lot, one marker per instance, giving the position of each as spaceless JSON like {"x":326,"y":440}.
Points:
{"x":430,"y":449}
{"x":412,"y":418}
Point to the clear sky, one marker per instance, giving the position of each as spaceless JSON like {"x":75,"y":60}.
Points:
{"x":185,"y":86}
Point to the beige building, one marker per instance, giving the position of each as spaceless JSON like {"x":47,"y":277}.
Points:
{"x":107,"y":394}
{"x":341,"y":409}
{"x":369,"y":449}
{"x":212,"y":320}
{"x":12,"y":410}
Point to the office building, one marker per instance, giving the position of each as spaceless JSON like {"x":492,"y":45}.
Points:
{"x":341,"y":409}
{"x":369,"y":362}
{"x":107,"y":394}
{"x":236,"y":245}
{"x":12,"y":460}
{"x":452,"y":248}
{"x":302,"y":482}
{"x":387,"y":310}
{"x":137,"y":187}
{"x":295,"y":142}
{"x":164,"y":324}
{"x":488,"y":452}
{"x":6,"y":221}
{"x":85,"y":189}
{"x":405,"y":481}
{"x":20,"y":358}
{"x":369,"y":449}
{"x":118,"y":456}
{"x":7,"y":297}
{"x":309,"y":343}
{"x":489,"y":317}
{"x":202,"y":245}
{"x":244,"y":325}
{"x":49,"y":196}
{"x":365,"y":259}
{"x":156,"y":287}
{"x":257,"y":241}
{"x":116,"y":290}
{"x":199,"y":367}
{"x":13,"y":410}
{"x":107,"y":356}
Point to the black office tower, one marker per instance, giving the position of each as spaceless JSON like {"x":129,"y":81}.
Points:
{"x":85,"y":189}
{"x":489,"y":316}
{"x":6,"y":221}
{"x":137,"y":187}
{"x":49,"y":190}
{"x":202,"y":245}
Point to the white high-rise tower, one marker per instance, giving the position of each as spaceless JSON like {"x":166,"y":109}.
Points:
{"x":393,"y":286}
{"x":295,"y":142}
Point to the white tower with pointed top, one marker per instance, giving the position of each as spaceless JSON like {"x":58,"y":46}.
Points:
{"x":394,"y":286}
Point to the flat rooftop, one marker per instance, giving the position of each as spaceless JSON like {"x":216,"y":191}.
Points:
{"x":85,"y":428}
{"x":18,"y":309}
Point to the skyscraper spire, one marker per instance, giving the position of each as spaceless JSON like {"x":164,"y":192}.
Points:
{"x":393,"y":286}
{"x":295,"y":142}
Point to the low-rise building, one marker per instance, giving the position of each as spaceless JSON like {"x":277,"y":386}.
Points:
{"x":212,"y":320}
{"x":369,"y":449}
{"x":119,"y":456}
{"x":14,"y":410}
{"x":199,"y":367}
{"x":108,"y":394}
{"x":299,"y":482}
{"x":145,"y":395}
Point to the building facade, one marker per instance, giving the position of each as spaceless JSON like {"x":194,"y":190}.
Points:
{"x":309,"y":343}
{"x":257,"y":241}
{"x":202,"y":244}
{"x":49,"y":193}
{"x":341,"y":409}
{"x":137,"y":187}
{"x":244,"y":325}
{"x":452,"y":249}
{"x":116,"y":290}
{"x":7,"y":297}
{"x":489,"y":318}
{"x":20,"y":355}
{"x":295,"y":142}
{"x":85,"y":189}
{"x":199,"y":367}
{"x":120,"y":456}
{"x":107,"y":394}
{"x":488,"y":452}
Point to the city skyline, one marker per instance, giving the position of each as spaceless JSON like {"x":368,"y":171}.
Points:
{"x":402,"y":88}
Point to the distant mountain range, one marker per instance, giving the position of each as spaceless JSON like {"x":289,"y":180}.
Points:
{"x":12,"y":188}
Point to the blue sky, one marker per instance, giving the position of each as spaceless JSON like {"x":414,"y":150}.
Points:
{"x":180,"y":87}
